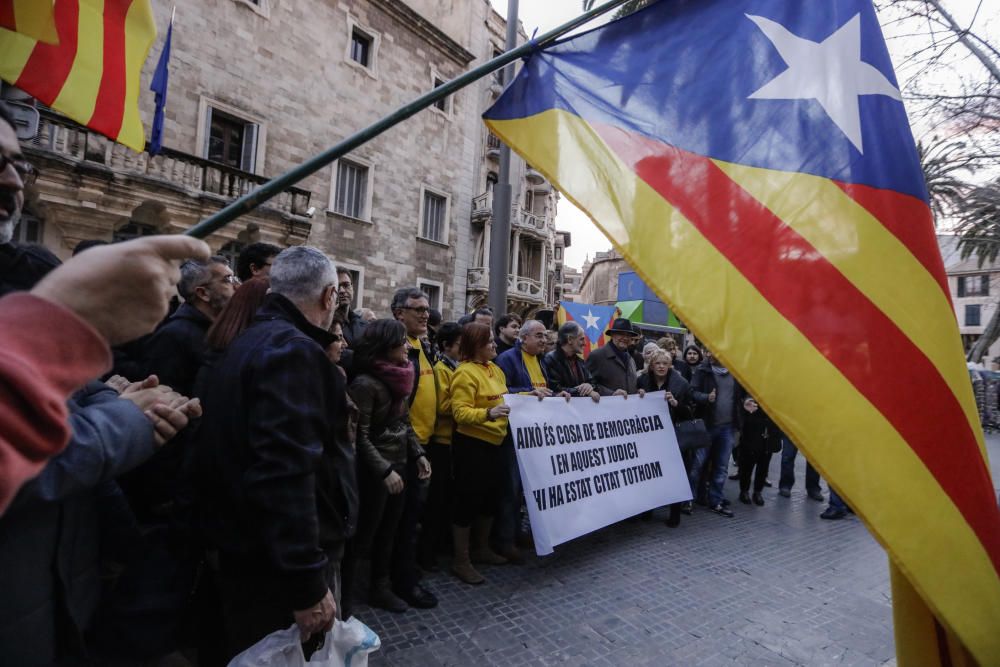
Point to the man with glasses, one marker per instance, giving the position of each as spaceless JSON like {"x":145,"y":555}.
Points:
{"x":412,"y":307}
{"x":176,"y":351}
{"x":564,"y":366}
{"x":351,"y":324}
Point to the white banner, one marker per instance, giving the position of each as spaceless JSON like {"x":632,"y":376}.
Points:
{"x":585,"y":465}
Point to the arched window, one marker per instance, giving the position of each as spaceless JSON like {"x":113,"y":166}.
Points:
{"x":133,"y":230}
{"x":231,"y":251}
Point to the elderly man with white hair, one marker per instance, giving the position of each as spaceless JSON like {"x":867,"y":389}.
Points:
{"x":277,"y":481}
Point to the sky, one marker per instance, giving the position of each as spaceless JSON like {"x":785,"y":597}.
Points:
{"x":547,"y":14}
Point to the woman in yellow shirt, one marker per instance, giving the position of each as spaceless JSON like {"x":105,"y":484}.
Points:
{"x":480,"y":415}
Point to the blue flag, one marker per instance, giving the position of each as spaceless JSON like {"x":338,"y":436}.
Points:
{"x":159,"y":87}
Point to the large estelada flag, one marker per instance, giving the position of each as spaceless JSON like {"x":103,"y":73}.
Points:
{"x":31,"y":18}
{"x":753,"y":161}
{"x":594,"y":320}
{"x":92,"y":74}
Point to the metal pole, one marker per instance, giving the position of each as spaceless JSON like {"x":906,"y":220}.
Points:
{"x":252,"y":200}
{"x":502,"y":196}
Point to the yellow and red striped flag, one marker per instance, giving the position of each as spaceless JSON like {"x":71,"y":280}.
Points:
{"x":752,"y":160}
{"x":92,"y":75}
{"x":31,"y":18}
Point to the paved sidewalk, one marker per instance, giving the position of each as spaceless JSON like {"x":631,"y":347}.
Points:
{"x":773,"y":586}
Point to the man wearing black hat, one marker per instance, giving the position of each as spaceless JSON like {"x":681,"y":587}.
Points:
{"x":611,"y":366}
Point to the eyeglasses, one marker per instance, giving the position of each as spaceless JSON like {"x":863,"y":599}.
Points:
{"x":231,"y":279}
{"x":419,"y":310}
{"x":345,"y":286}
{"x":25,"y":170}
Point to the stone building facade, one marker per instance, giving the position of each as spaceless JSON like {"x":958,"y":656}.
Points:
{"x":258,"y":86}
{"x":600,"y":278}
{"x":533,"y":270}
{"x":975,"y":294}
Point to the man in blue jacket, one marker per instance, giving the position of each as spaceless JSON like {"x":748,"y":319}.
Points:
{"x":524,"y":372}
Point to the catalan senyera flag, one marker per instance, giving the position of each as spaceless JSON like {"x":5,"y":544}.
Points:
{"x":31,"y":18}
{"x":92,"y":74}
{"x":753,"y":161}
{"x":594,"y":320}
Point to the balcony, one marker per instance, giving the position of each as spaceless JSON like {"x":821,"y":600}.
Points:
{"x":493,"y":146}
{"x":533,"y":176}
{"x":70,"y":141}
{"x":482,"y":206}
{"x":534,"y":223}
{"x":518,"y":287}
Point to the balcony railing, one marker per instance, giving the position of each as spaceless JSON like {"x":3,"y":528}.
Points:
{"x":530,"y":221}
{"x":518,"y":287}
{"x":482,"y":205}
{"x":68,"y":139}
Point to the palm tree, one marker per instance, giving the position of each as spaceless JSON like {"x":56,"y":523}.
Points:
{"x":942,"y":161}
{"x":979,"y":234}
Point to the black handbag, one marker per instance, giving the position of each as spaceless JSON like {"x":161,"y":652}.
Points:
{"x":692,"y":434}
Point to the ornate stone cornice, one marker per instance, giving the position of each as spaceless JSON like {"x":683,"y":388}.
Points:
{"x":425,"y":29}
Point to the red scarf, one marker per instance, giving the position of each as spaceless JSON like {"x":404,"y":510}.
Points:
{"x":398,"y":379}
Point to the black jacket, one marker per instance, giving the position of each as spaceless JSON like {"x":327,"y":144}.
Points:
{"x":559,"y":372}
{"x":384,"y":442}
{"x":276,"y":478}
{"x":703,"y":383}
{"x":353,"y":328}
{"x":176,"y":350}
{"x":681,"y":390}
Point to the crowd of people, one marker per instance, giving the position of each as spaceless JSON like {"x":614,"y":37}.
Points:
{"x":266,"y":455}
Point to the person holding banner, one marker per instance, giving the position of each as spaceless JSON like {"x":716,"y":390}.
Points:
{"x":564,"y":366}
{"x":612,"y":367}
{"x":661,"y":376}
{"x":477,"y":406}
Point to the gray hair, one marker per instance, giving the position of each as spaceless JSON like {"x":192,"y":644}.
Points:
{"x":195,"y":273}
{"x":404,"y":294}
{"x":301,"y":273}
{"x":528,"y":328}
{"x":569,"y":331}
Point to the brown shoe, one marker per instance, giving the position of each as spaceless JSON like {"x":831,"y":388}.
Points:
{"x":481,"y":551}
{"x":513,"y":555}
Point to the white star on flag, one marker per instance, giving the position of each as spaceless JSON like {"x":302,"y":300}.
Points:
{"x":592,"y":320}
{"x":830,"y":72}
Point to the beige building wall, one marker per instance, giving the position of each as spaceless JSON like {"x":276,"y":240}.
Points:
{"x":285,"y":68}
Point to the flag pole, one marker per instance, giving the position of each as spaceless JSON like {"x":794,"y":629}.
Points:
{"x":275,"y":186}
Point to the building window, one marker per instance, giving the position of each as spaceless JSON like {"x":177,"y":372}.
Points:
{"x":361,"y":48}
{"x":434,"y":216}
{"x":231,"y":251}
{"x":351,"y":191}
{"x":972,"y":315}
{"x":232,"y":141}
{"x":133,"y":230}
{"x":444,"y":104}
{"x":559,"y":252}
{"x":974,"y":285}
{"x":433,"y":291}
{"x":28,"y":230}
{"x":498,"y":74}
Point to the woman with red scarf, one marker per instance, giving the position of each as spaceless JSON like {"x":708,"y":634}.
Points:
{"x":385,"y":442}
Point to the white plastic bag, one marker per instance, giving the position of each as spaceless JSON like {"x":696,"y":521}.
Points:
{"x":346,"y":645}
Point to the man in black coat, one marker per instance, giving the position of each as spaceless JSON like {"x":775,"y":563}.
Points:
{"x":565,"y":368}
{"x":351,"y":323}
{"x":177,"y":350}
{"x":611,"y":366}
{"x":276,"y":477}
{"x":714,"y":387}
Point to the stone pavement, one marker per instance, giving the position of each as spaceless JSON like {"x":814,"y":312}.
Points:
{"x":773,"y":586}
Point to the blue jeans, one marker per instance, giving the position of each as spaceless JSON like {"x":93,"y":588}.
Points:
{"x":788,"y":453}
{"x":718,"y":454}
{"x":836,"y":503}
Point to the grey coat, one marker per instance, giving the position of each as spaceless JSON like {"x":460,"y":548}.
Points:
{"x":609,"y":373}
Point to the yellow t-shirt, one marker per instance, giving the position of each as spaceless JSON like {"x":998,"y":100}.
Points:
{"x":534,"y":370}
{"x":423,"y":410}
{"x":445,"y":423}
{"x":475,"y":388}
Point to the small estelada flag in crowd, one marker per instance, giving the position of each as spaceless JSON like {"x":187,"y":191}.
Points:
{"x":594,"y":320}
{"x":752,"y":160}
{"x":92,"y":74}
{"x":31,"y":18}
